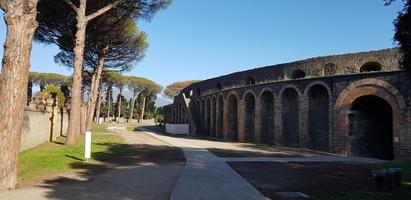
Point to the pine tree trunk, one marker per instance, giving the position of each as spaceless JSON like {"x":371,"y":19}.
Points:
{"x":119,"y":106}
{"x":133,"y":100}
{"x":143,"y":107}
{"x":29,"y":92}
{"x":94,"y":93}
{"x":74,"y":126}
{"x":108,"y":102}
{"x":20,"y":19}
{"x":99,"y":99}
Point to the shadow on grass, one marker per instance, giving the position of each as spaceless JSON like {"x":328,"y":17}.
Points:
{"x":118,"y":173}
{"x":60,"y":143}
{"x":74,"y":157}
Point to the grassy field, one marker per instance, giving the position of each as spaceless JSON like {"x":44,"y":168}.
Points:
{"x":55,"y":157}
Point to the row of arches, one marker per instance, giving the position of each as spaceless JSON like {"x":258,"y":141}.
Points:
{"x":257,"y":116}
{"x":329,"y":69}
{"x":364,"y":120}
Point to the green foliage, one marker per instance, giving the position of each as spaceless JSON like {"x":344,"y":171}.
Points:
{"x":159,"y":115}
{"x":41,"y":78}
{"x":52,"y":89}
{"x":174,"y":89}
{"x":403,"y":33}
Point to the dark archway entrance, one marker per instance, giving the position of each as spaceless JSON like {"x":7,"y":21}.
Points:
{"x":371,"y":128}
{"x":232,"y":133}
{"x":289,"y":101}
{"x":213,"y":117}
{"x":208,"y":116}
{"x":318,"y":117}
{"x":267,"y":117}
{"x":220,"y":113}
{"x":249,"y":118}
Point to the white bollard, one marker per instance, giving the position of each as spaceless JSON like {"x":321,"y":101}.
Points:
{"x":87,"y":151}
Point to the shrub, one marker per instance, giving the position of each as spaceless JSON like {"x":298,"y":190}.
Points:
{"x":60,"y":95}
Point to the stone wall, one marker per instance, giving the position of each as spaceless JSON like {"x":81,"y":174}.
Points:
{"x":40,"y":126}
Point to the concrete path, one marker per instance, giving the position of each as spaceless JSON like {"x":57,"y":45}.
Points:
{"x":142,"y":180}
{"x":207,"y":176}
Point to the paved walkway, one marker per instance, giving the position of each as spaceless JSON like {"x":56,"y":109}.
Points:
{"x":207,"y":176}
{"x":142,"y":180}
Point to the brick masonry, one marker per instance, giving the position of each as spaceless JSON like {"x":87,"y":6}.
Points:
{"x":341,"y":76}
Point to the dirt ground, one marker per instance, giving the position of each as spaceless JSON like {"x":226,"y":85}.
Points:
{"x":311,"y":178}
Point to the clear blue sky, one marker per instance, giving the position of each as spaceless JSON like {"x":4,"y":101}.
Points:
{"x":196,"y":39}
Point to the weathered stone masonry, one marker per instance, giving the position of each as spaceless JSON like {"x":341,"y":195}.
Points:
{"x":354,"y":104}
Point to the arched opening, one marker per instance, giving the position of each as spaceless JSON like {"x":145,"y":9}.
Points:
{"x":371,"y":128}
{"x":232,"y":133}
{"x":329,"y":69}
{"x":220,"y":113}
{"x":250,"y":81}
{"x":371,"y":67}
{"x":249,"y":118}
{"x":297,"y":74}
{"x":198,"y":106}
{"x":267,"y":117}
{"x":202,"y":111}
{"x":178,"y":113}
{"x":183,"y":113}
{"x":213,"y":117}
{"x":318,"y":117}
{"x":198,"y":92}
{"x":219,"y":87}
{"x":208,"y":116}
{"x":289,"y":103}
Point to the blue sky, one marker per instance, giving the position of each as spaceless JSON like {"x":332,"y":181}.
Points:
{"x":195,"y":39}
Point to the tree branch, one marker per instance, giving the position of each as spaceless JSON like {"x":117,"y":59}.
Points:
{"x":103,"y":10}
{"x":3,"y":5}
{"x":74,"y":7}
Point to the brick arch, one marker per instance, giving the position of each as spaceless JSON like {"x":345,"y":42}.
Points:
{"x":220,"y":115}
{"x":358,"y":68}
{"x":366,"y":87}
{"x":265,"y":90}
{"x":318,"y":117}
{"x":322,"y":83}
{"x":231,"y":120}
{"x":373,"y":82}
{"x":289,"y":86}
{"x":232,"y":92}
{"x":249,"y":92}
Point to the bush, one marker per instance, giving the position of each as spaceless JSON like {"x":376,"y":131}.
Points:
{"x":50,"y":89}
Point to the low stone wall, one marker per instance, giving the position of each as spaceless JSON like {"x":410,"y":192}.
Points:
{"x":40,"y":126}
{"x":178,"y":129}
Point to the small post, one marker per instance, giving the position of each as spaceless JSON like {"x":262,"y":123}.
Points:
{"x":87,"y":151}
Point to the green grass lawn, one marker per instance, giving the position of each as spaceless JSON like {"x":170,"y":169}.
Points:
{"x":131,"y":128}
{"x":55,"y":157}
{"x":99,"y":128}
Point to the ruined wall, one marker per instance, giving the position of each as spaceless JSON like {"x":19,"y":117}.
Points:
{"x":39,"y":126}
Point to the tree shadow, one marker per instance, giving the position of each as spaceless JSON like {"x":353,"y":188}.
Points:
{"x":123,"y":171}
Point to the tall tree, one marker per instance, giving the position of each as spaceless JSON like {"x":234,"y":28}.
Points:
{"x":20,"y":19}
{"x":84,"y":11}
{"x":136,"y":86}
{"x":111,"y":43}
{"x":150,"y":88}
{"x":120,"y":82}
{"x":403,"y":33}
{"x":174,"y":89}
